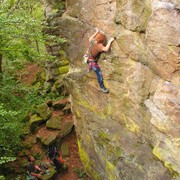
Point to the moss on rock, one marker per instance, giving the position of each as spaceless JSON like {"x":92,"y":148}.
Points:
{"x":48,"y":140}
{"x":54,"y":122}
{"x":66,"y":128}
{"x":34,"y":122}
{"x":44,"y":111}
{"x":171,"y":167}
{"x":103,"y":139}
{"x":63,"y":70}
{"x":65,"y":149}
{"x":130,"y":124}
{"x":110,"y":168}
{"x":86,"y":161}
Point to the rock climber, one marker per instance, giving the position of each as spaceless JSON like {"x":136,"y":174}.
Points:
{"x":34,"y":171}
{"x":56,"y":158}
{"x":97,"y":45}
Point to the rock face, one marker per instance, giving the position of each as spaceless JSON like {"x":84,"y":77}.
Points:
{"x":132,"y":132}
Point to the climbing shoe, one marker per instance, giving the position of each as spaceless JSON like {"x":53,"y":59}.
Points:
{"x":105,"y":90}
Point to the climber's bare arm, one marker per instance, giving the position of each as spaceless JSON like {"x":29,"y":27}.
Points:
{"x":91,"y":38}
{"x":107,"y":47}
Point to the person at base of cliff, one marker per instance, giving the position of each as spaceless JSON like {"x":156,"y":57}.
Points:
{"x":97,"y":45}
{"x":56,"y":159}
{"x":34,"y":171}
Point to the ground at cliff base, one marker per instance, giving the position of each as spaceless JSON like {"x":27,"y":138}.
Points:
{"x":73,"y":161}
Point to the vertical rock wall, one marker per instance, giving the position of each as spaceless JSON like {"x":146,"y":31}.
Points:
{"x":132,"y":132}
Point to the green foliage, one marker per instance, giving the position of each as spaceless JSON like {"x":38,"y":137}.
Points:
{"x":80,"y":172}
{"x":12,"y":110}
{"x":2,"y":178}
{"x":21,"y":39}
{"x":53,"y":40}
{"x":6,"y":159}
{"x":37,"y":156}
{"x":59,"y":5}
{"x":16,"y":101}
{"x":21,"y":25}
{"x":19,"y":30}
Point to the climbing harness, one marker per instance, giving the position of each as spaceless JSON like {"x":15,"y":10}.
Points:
{"x":87,"y":56}
{"x":85,"y":59}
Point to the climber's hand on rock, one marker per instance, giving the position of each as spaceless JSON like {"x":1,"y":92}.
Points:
{"x":97,"y":30}
{"x":112,"y":39}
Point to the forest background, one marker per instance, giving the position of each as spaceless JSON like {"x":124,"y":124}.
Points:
{"x":22,"y":41}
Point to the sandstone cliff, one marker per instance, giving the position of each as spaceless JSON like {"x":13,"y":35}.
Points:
{"x":132,"y":132}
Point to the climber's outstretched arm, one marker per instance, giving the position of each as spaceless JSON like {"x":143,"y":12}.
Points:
{"x":91,"y":38}
{"x":107,"y":47}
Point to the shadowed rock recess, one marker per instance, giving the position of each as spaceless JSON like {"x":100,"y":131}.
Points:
{"x":132,"y":132}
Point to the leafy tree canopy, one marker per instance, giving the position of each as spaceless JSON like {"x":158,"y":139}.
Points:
{"x":20,"y":29}
{"x":21,"y":24}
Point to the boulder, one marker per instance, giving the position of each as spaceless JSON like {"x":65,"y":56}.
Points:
{"x":67,"y":109}
{"x":65,"y":149}
{"x":59,"y":87}
{"x":66,"y":128}
{"x":47,"y":136}
{"x":47,"y":140}
{"x":51,"y":175}
{"x":44,"y":111}
{"x":34,"y":122}
{"x":47,"y":86}
{"x":29,"y":141}
{"x":63,"y":70}
{"x":60,"y":104}
{"x":54,"y":122}
{"x":63,"y":61}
